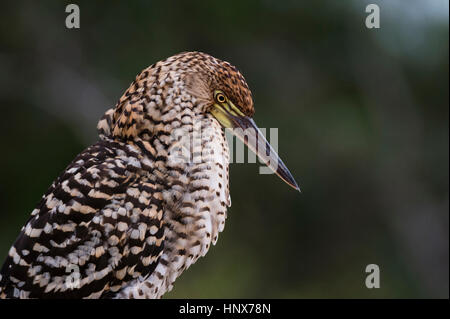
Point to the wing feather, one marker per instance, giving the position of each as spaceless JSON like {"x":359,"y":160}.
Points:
{"x":98,"y":228}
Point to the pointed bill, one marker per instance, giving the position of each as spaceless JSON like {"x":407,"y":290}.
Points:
{"x":247,"y":131}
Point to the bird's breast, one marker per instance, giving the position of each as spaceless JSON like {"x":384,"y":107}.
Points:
{"x":196,"y":199}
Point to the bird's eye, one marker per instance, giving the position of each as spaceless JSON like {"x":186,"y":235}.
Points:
{"x":220,"y":98}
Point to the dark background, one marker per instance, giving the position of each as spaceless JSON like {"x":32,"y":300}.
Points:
{"x":362,"y":117}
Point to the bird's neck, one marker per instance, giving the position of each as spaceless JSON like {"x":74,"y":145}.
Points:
{"x":190,"y":165}
{"x":197,"y":201}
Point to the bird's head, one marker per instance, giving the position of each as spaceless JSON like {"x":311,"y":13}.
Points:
{"x":219,"y":89}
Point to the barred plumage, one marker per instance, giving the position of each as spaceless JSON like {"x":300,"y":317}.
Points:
{"x":127,"y":216}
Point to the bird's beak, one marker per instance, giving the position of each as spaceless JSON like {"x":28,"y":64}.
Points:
{"x":246,"y":130}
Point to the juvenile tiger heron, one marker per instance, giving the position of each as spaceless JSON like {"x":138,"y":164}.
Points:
{"x":126,"y":218}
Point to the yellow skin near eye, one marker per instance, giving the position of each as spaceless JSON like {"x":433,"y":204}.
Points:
{"x":223,"y":110}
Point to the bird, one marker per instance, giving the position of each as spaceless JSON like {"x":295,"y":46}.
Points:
{"x":137,"y":208}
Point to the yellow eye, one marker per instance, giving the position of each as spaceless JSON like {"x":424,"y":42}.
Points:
{"x":220,"y":98}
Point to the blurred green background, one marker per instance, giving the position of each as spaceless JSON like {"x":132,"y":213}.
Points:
{"x":363,"y":126}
